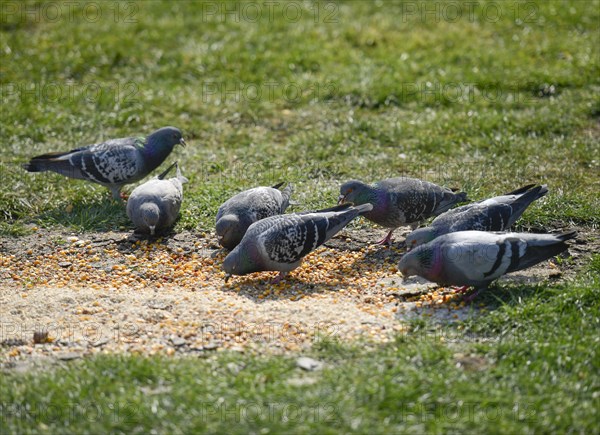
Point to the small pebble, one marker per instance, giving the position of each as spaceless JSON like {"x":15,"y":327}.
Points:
{"x":100,"y":342}
{"x":309,"y":364}
{"x":178,"y":341}
{"x":211,"y":346}
{"x":67,"y":356}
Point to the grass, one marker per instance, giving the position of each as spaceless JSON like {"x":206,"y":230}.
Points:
{"x":481,"y":105}
{"x":363,"y":90}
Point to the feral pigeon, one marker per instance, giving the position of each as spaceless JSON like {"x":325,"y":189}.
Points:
{"x":280,"y":242}
{"x":113,"y":163}
{"x":476,"y":258}
{"x":154,"y":205}
{"x":242,"y":210}
{"x":400,"y":201}
{"x":494,"y":214}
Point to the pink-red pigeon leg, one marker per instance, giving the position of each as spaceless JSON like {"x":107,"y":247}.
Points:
{"x":472,"y":296}
{"x":387,"y":239}
{"x":462,"y":289}
{"x":279,"y":278}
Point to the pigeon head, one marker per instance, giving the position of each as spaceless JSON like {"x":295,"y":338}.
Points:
{"x":242,"y":260}
{"x":150,"y":215}
{"x":356,"y":192}
{"x":419,"y":237}
{"x":229,"y":231}
{"x":160,"y":144}
{"x":419,"y":261}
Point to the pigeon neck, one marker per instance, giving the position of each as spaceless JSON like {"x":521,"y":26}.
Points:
{"x":155,"y":153}
{"x":365,"y":194}
{"x":430,"y":261}
{"x":378,"y":198}
{"x":436,"y":261}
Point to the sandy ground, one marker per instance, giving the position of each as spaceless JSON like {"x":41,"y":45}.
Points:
{"x":82,"y":294}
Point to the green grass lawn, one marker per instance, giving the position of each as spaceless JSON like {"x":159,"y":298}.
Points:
{"x":483,"y":96}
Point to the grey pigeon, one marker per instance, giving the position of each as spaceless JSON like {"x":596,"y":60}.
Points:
{"x":242,"y":210}
{"x":280,"y":242}
{"x":400,"y":201}
{"x":494,"y":214}
{"x":154,"y":205}
{"x":113,"y":163}
{"x":476,"y":258}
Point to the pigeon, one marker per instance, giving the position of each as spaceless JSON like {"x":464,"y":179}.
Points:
{"x":154,"y":205}
{"x":494,"y":214}
{"x":113,"y":163}
{"x":400,"y":201}
{"x":476,"y":258}
{"x":279,"y":243}
{"x":242,"y":210}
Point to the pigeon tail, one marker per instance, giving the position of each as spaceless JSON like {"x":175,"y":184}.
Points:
{"x":520,"y":204}
{"x":363,"y":208}
{"x":542,"y":192}
{"x":286,"y":193}
{"x":55,"y":162}
{"x":49,"y":161}
{"x":567,"y":235}
{"x":521,"y":190}
{"x":180,"y":177}
{"x":336,"y":208}
{"x":447,"y":204}
{"x":341,"y":217}
{"x":166,"y":171}
{"x":543,"y":249}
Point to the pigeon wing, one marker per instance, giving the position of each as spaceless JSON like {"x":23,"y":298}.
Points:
{"x":112,"y":162}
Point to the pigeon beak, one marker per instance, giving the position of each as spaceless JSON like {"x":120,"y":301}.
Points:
{"x":182,"y":142}
{"x":341,"y":199}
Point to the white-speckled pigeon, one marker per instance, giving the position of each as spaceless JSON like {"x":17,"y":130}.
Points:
{"x":154,"y":205}
{"x":494,"y":214}
{"x":242,"y":210}
{"x":400,"y":201}
{"x":280,"y":242}
{"x":476,"y":258}
{"x":113,"y":163}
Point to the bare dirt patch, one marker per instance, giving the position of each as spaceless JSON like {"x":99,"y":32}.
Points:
{"x":115,"y":292}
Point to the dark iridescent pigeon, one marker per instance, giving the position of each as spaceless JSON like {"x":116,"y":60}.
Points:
{"x":154,"y":205}
{"x":242,"y":210}
{"x":113,"y":163}
{"x":280,"y":242}
{"x":400,"y":201}
{"x":494,"y":214}
{"x":476,"y":258}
